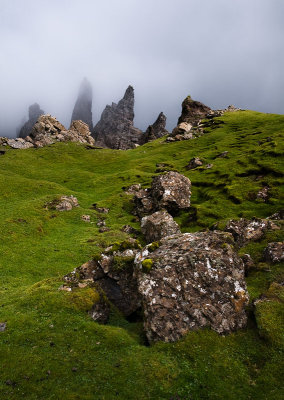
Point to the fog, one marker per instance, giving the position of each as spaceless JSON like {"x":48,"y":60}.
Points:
{"x":220,"y":52}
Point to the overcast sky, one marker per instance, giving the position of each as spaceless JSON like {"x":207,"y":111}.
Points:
{"x":220,"y":52}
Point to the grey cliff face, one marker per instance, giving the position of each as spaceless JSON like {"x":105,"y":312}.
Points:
{"x":34,"y":113}
{"x":83,"y":106}
{"x":115,"y":128}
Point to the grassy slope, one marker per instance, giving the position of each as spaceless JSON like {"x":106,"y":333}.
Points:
{"x":49,"y":332}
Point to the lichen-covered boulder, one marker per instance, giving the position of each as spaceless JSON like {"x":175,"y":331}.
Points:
{"x":245,"y":230}
{"x":170,"y":191}
{"x":189,"y":281}
{"x":158,"y":225}
{"x":274,"y":252}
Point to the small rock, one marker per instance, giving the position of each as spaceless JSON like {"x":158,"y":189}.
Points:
{"x":74,"y":369}
{"x":3,"y":326}
{"x":263,"y":194}
{"x":102,"y":210}
{"x":104,"y":229}
{"x":194,"y":163}
{"x":86,"y":218}
{"x":208,"y":166}
{"x":225,"y":154}
{"x":101,"y":223}
{"x":274,"y":252}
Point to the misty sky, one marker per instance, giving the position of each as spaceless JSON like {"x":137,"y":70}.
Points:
{"x":220,"y":52}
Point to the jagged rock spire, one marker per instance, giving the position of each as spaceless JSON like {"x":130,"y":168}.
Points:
{"x":34,"y":113}
{"x":83,"y":106}
{"x":157,"y":130}
{"x":192,"y":111}
{"x":115,"y":128}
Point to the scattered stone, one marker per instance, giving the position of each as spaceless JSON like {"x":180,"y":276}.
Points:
{"x":225,"y":154}
{"x":102,"y":210}
{"x":104,"y":229}
{"x":34,"y":113}
{"x":208,"y":166}
{"x":132,"y":189}
{"x":263,"y":194}
{"x":101,"y":223}
{"x":3,"y":326}
{"x":129,"y":229}
{"x":274,"y":252}
{"x":245,"y":230}
{"x":158,"y":225}
{"x":170,"y":191}
{"x":248,"y":263}
{"x":86,"y":218}
{"x":66,"y":203}
{"x":83,"y":106}
{"x":115,"y":128}
{"x":190,"y":281}
{"x":155,"y":131}
{"x":194,"y":163}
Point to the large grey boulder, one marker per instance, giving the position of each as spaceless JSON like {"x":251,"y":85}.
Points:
{"x":170,"y":191}
{"x":158,"y":225}
{"x":191,"y":281}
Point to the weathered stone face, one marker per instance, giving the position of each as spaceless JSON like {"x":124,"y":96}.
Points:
{"x":115,"y":128}
{"x":170,"y":191}
{"x":245,"y":230}
{"x":193,"y":111}
{"x":83,"y":106}
{"x":158,"y":225}
{"x":189,"y":282}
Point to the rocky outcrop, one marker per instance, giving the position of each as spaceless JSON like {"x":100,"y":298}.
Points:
{"x":274,"y":252}
{"x":34,"y":113}
{"x":48,"y":130}
{"x":115,"y":128}
{"x":157,"y":130}
{"x":83,"y":106}
{"x":170,"y":191}
{"x":193,"y":111}
{"x":63,"y":203}
{"x":158,"y":225}
{"x":244,"y":230}
{"x":191,"y":281}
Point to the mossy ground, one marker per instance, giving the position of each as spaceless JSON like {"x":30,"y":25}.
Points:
{"x":49,"y":332}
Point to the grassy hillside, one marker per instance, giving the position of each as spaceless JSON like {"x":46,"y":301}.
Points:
{"x":51,"y":348}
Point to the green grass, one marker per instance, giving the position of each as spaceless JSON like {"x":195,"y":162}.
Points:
{"x":49,"y":332}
